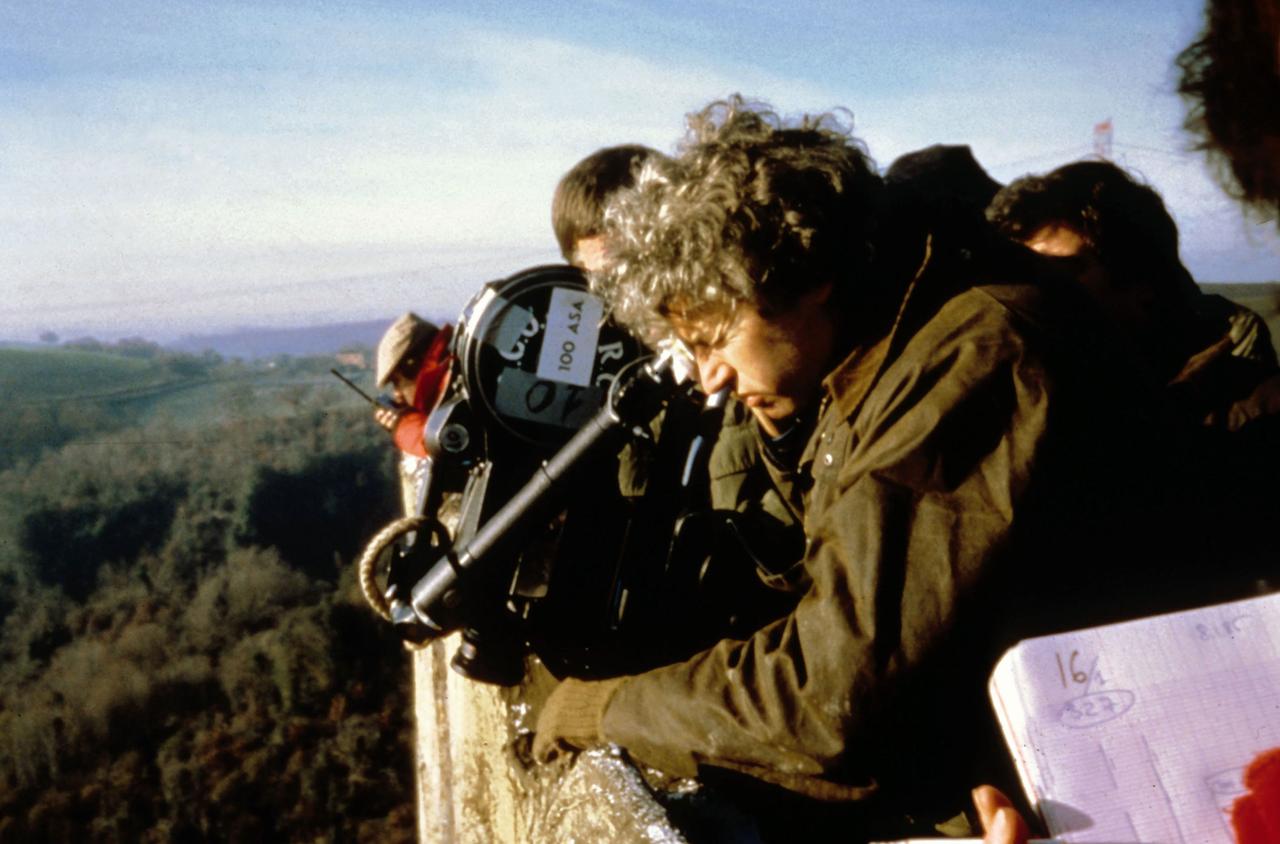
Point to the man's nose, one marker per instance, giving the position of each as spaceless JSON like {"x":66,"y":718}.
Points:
{"x":714,"y":374}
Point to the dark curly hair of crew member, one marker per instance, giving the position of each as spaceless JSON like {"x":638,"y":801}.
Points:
{"x":1230,"y":80}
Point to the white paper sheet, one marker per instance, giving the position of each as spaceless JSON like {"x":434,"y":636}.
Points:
{"x":1141,"y":731}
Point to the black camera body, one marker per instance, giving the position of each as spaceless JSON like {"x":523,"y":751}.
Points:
{"x":552,"y":410}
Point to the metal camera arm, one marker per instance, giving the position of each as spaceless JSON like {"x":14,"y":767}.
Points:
{"x":438,"y":601}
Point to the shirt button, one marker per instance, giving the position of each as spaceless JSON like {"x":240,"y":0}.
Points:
{"x":828,"y":459}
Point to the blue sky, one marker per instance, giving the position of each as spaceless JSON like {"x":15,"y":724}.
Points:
{"x":172,"y":168}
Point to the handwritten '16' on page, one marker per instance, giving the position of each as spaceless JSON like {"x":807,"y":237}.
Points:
{"x":1144,"y":731}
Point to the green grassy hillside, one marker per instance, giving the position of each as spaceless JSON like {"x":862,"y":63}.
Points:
{"x":55,"y":374}
{"x":52,"y":396}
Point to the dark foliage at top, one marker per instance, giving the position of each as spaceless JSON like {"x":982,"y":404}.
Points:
{"x":1231,"y":82}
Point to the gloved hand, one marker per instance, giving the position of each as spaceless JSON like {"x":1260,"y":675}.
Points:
{"x":570,"y":719}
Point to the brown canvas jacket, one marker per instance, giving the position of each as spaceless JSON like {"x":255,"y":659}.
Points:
{"x":918,"y":464}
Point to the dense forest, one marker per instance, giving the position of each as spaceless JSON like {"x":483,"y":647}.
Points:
{"x":184,"y":652}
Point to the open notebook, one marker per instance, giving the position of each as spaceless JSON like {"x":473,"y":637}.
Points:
{"x":1141,"y":731}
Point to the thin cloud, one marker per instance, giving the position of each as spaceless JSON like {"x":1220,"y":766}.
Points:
{"x":165,"y":152}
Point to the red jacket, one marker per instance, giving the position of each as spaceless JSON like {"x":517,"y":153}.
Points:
{"x":429,"y":387}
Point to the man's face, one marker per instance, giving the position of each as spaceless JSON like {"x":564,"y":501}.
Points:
{"x":1061,"y":242}
{"x":1128,"y":305}
{"x":1056,"y":241}
{"x":403,"y":388}
{"x":774,"y":364}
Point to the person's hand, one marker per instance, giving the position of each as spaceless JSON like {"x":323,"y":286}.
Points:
{"x":1001,"y":823}
{"x":570,"y":719}
{"x":387,"y":417}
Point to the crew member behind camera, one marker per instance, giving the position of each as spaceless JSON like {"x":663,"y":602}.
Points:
{"x":413,"y":358}
{"x":577,"y":207}
{"x":939,"y":440}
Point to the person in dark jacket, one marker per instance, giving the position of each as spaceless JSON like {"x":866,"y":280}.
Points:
{"x":930,"y":418}
{"x":1121,"y":245}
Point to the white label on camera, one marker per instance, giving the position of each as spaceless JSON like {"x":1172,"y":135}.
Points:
{"x":573,"y":329}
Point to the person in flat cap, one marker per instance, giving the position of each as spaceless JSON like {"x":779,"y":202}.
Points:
{"x":414,"y":360}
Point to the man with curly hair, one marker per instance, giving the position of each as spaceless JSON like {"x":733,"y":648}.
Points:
{"x":931,"y":425}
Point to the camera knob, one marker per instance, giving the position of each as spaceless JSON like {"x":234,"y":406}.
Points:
{"x":454,"y":438}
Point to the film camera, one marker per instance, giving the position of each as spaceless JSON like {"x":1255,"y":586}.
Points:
{"x":577,"y":465}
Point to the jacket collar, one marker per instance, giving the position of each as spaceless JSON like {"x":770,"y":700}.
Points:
{"x":847,"y":386}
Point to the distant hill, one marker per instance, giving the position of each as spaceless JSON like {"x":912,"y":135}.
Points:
{"x":250,"y":343}
{"x":22,"y":344}
{"x":31,"y":374}
{"x":53,"y":395}
{"x":1263,"y":297}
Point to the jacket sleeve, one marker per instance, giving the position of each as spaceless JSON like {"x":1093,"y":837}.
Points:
{"x":408,"y":433}
{"x":919,"y":494}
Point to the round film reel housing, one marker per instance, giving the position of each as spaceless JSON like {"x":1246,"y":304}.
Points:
{"x":538,"y":354}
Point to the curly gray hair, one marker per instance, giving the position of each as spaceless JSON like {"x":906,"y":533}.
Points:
{"x":753,"y":209}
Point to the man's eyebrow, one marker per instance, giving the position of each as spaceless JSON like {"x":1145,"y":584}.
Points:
{"x":697,"y":337}
{"x":700,"y":336}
